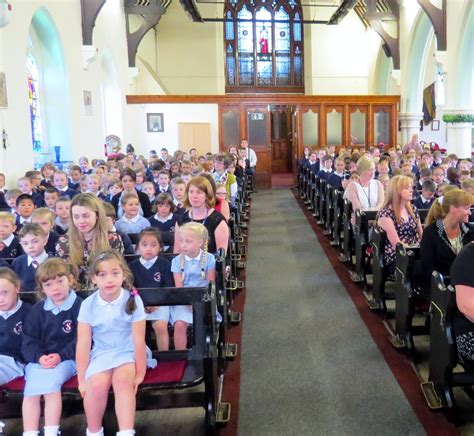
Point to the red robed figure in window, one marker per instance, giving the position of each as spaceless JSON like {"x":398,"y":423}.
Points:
{"x":263,"y":41}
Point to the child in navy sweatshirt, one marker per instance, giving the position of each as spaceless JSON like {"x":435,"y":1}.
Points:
{"x":9,"y":245}
{"x":45,"y":218}
{"x":13,"y":313}
{"x":152,"y":271}
{"x":49,"y":345}
{"x":33,"y":240}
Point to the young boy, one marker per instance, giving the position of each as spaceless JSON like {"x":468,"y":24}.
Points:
{"x":33,"y":240}
{"x":9,"y":244}
{"x":10,"y":199}
{"x":149,"y":189}
{"x":25,"y":207}
{"x":25,"y":186}
{"x":45,"y":218}
{"x":51,"y":196}
{"x":131,"y":221}
{"x":114,"y":187}
{"x":427,"y":197}
{"x":163,"y":182}
{"x":3,"y":203}
{"x":62,"y":215}
{"x":75,"y":177}
{"x":326,"y":168}
{"x":178,"y":191}
{"x":438,"y":176}
{"x":60,"y":182}
{"x":93,"y":186}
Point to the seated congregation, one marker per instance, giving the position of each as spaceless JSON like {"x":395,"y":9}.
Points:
{"x":405,"y":215}
{"x":120,"y":276}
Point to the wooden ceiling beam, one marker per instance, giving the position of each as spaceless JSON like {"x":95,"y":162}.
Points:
{"x":438,"y":20}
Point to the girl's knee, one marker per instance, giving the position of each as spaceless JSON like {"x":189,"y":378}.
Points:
{"x":123,"y":378}
{"x":161,"y":328}
{"x":180,"y":326}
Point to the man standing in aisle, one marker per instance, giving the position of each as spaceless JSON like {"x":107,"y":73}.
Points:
{"x":251,"y":161}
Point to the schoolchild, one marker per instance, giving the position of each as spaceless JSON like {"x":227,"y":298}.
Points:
{"x":153,"y":271}
{"x":111,"y":217}
{"x":75,"y":177}
{"x":111,"y":349}
{"x":336,"y":178}
{"x":62,"y":208}
{"x":113,"y":188}
{"x":9,"y":243}
{"x":45,"y":218}
{"x":13,"y":313}
{"x":47,"y":171}
{"x":51,"y":196}
{"x":61,"y":183}
{"x":25,"y":207}
{"x":93,"y":186}
{"x":163,"y":184}
{"x":194,"y":266}
{"x":178,"y":191}
{"x":10,"y":199}
{"x":33,"y":240}
{"x":49,"y":345}
{"x":164,"y":219}
{"x":26,"y":187}
{"x":427,"y":197}
{"x":149,"y":189}
{"x":3,"y":191}
{"x":131,"y":221}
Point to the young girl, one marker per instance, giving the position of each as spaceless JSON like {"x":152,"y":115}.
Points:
{"x":164,"y":219}
{"x":112,"y":322}
{"x":152,"y":271}
{"x":194,"y":266}
{"x":13,"y":313}
{"x":49,"y":345}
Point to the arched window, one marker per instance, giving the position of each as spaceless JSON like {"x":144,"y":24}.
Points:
{"x":34,"y":101}
{"x":263,"y":46}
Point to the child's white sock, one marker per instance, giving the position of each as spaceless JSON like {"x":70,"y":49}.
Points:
{"x":31,"y":433}
{"x":99,"y":433}
{"x":126,"y":433}
{"x":51,"y":430}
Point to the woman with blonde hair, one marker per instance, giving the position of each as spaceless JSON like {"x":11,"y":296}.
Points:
{"x":366,"y":193}
{"x":87,"y":235}
{"x":446,"y":233}
{"x":398,"y":218}
{"x":200,"y":202}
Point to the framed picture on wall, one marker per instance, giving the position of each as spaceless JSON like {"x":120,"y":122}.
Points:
{"x":154,"y":123}
{"x":3,"y":91}
{"x":435,"y":125}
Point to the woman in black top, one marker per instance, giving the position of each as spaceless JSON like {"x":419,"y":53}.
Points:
{"x":462,"y":277}
{"x":445,"y":235}
{"x":128,"y":179}
{"x":200,"y":203}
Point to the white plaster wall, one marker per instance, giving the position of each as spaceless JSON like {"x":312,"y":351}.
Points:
{"x":172,"y":115}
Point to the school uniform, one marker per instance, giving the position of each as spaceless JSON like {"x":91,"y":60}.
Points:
{"x":67,"y":192}
{"x":127,"y":242}
{"x":313,"y":166}
{"x":37,"y":198}
{"x":153,"y":273}
{"x":132,"y":225}
{"x":144,"y":204}
{"x":74,"y":186}
{"x":10,"y":247}
{"x":50,"y":247}
{"x":112,"y":344}
{"x":3,"y":203}
{"x":163,"y":189}
{"x":334,"y":179}
{"x":166,"y":224}
{"x":11,"y":326}
{"x":20,"y":221}
{"x":324,"y":174}
{"x":421,"y":203}
{"x":179,"y":208}
{"x":50,"y":329}
{"x":192,"y":278}
{"x":59,"y":227}
{"x":25,"y":267}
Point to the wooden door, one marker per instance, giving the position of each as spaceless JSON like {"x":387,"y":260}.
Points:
{"x":195,"y":135}
{"x":258,"y":136}
{"x":281,"y":145}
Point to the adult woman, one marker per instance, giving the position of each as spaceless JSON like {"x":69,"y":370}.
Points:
{"x":365,"y":193}
{"x":87,"y":235}
{"x":200,"y":201}
{"x":129,"y":179}
{"x":398,"y":218}
{"x":445,"y":234}
{"x":414,"y":144}
{"x":462,"y":277}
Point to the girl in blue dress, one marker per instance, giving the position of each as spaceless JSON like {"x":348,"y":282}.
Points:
{"x":49,"y":345}
{"x":193,"y":267}
{"x":111,"y":348}
{"x":13,"y":313}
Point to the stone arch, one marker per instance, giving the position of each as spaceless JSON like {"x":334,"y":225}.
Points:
{"x":111,"y":96}
{"x":383,"y":69}
{"x":45,"y":45}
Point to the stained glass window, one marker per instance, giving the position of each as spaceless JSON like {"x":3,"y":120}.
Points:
{"x":263,"y":45}
{"x":34,"y":101}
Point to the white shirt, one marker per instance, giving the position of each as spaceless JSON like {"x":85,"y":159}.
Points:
{"x":148,"y":263}
{"x":7,"y":314}
{"x":9,"y":240}
{"x":40,"y":259}
{"x":133,"y":220}
{"x":252,"y":157}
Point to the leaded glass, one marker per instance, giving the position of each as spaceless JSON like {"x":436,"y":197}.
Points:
{"x":283,"y":63}
{"x":292,"y":3}
{"x":245,"y":36}
{"x":34,"y":101}
{"x":297,"y":27}
{"x":229,"y":26}
{"x":230,"y":65}
{"x":282,"y":31}
{"x":264,"y":31}
{"x":297,"y":67}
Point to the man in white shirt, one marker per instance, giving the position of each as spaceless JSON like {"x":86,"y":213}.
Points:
{"x":251,"y":158}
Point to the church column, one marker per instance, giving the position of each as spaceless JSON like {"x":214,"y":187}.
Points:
{"x":459,"y":135}
{"x":409,"y":124}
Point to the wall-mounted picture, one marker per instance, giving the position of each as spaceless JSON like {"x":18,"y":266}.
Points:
{"x":87,"y":102}
{"x":435,"y":125}
{"x":154,"y":123}
{"x":3,"y":91}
